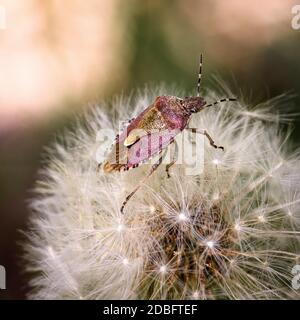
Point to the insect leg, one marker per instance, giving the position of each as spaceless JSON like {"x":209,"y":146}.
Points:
{"x":206,"y":134}
{"x":153,"y":168}
{"x":175,"y":156}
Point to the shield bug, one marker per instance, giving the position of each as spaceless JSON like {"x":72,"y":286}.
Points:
{"x":153,"y":130}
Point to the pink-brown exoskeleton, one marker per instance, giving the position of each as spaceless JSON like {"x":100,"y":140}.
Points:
{"x":153,"y":130}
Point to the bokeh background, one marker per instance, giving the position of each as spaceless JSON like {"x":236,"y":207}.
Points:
{"x":57,"y":56}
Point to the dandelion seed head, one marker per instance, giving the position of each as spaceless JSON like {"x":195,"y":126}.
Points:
{"x":187,"y":236}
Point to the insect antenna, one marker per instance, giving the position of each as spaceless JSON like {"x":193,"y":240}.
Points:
{"x":199,"y":76}
{"x":219,"y":101}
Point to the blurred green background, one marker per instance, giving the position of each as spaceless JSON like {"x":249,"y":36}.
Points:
{"x":56,"y":56}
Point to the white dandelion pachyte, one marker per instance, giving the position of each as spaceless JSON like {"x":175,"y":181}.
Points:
{"x":231,"y":232}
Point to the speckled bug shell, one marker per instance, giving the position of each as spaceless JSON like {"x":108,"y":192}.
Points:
{"x":163,"y":119}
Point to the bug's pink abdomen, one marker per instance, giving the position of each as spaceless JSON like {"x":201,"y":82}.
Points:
{"x":149,"y":146}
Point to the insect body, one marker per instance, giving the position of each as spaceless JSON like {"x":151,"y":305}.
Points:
{"x":152,"y":131}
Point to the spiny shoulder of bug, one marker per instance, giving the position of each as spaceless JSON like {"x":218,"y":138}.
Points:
{"x":186,"y":105}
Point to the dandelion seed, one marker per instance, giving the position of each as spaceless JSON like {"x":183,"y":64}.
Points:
{"x":182,"y":217}
{"x":266,"y":266}
{"x":216,"y":161}
{"x":51,"y":252}
{"x":216,"y":196}
{"x":120,"y":227}
{"x":177,"y":253}
{"x":152,"y":209}
{"x":237,"y":226}
{"x":163,"y":269}
{"x":210,"y":244}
